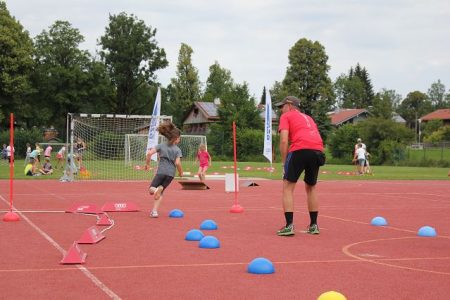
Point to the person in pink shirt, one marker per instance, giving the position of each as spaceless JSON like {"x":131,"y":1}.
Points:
{"x":48,"y":152}
{"x":301,"y":149}
{"x":204,"y":160}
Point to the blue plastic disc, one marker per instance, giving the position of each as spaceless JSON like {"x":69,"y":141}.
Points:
{"x":427,"y":231}
{"x":176,"y":213}
{"x":194,"y":235}
{"x":208,"y":225}
{"x":379,"y":221}
{"x":209,"y":242}
{"x":260,"y":265}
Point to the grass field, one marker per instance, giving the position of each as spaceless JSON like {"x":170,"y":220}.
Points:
{"x":112,"y":170}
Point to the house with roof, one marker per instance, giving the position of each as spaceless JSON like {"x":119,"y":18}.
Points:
{"x":347,"y":116}
{"x":203,"y":114}
{"x":200,"y":116}
{"x":440,"y":114}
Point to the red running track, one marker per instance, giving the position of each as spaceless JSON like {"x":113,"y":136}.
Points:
{"x":144,"y":258}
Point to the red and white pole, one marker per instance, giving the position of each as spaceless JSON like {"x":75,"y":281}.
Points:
{"x":11,"y":216}
{"x":236,"y":208}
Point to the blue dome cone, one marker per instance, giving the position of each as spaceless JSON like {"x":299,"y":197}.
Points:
{"x":194,"y":235}
{"x":209,"y":242}
{"x":260,"y":265}
{"x":379,"y":221}
{"x":176,"y":213}
{"x":427,"y":231}
{"x":208,"y":225}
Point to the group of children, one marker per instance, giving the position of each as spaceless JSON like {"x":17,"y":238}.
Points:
{"x":169,"y":161}
{"x":33,"y":166}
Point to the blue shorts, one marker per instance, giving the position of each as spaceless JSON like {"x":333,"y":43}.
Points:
{"x":303,"y":160}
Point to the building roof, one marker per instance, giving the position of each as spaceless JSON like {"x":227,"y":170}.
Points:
{"x":209,"y":109}
{"x":343,"y":115}
{"x":440,"y":114}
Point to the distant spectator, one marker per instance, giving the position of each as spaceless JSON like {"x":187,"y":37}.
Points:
{"x":27,"y":154}
{"x":47,"y":169}
{"x":9,"y":153}
{"x":39,"y":152}
{"x":81,"y":146}
{"x":48,"y":151}
{"x":60,"y":157}
{"x":4,"y":156}
{"x":29,"y":168}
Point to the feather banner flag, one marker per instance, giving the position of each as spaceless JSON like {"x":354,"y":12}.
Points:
{"x":267,"y":152}
{"x":154,"y":123}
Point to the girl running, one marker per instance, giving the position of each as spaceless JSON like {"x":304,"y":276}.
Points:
{"x":169,"y":159}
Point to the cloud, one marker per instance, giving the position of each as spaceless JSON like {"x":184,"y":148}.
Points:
{"x":402,"y":43}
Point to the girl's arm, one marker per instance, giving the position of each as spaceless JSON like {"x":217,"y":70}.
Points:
{"x":148,"y":157}
{"x":179,"y":168}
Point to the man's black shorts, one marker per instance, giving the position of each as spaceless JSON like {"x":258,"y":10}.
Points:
{"x":303,"y":160}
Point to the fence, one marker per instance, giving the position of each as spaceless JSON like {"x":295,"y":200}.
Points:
{"x":429,"y":151}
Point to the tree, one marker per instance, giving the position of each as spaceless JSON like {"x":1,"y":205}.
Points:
{"x":185,"y":88}
{"x":62,"y":77}
{"x":307,"y":78}
{"x":355,"y":89}
{"x":219,"y":83}
{"x":385,"y":103}
{"x":436,"y":93}
{"x":349,"y":92}
{"x":415,"y":105}
{"x":236,"y":105}
{"x":16,"y":63}
{"x":132,"y":56}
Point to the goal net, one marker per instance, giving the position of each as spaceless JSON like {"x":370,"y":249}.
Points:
{"x":96,"y":147}
{"x":135,"y":147}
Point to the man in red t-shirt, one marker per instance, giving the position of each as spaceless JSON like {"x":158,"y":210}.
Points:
{"x":305,"y":153}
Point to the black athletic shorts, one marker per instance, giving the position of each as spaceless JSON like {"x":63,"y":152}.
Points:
{"x":160,"y":179}
{"x":303,"y":160}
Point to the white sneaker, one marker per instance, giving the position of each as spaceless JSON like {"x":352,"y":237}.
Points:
{"x":154,"y":214}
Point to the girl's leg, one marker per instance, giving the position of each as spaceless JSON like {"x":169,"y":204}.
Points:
{"x":199,"y":173}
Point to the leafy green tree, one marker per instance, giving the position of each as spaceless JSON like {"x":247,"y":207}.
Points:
{"x":219,"y":83}
{"x":61,"y":77}
{"x":307,"y":75}
{"x":236,"y":105}
{"x":440,"y":135}
{"x":363,"y":75}
{"x":385,"y":103}
{"x":376,"y":131}
{"x":132,"y":56}
{"x":349,"y":92}
{"x":185,"y":87}
{"x":415,"y":105}
{"x":431,"y":126}
{"x":436,"y":93}
{"x":16,"y":63}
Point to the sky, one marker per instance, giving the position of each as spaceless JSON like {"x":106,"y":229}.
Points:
{"x":403,"y":44}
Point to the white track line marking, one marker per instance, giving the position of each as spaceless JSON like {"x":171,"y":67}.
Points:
{"x":85,"y":271}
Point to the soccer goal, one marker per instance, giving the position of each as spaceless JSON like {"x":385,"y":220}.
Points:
{"x":97,"y":146}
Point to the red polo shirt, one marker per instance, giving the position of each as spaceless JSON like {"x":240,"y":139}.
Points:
{"x":303,"y":132}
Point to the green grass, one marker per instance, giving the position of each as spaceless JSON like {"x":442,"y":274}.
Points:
{"x":111,"y":170}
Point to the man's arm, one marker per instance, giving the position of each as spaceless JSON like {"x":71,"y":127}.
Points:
{"x":284,"y":145}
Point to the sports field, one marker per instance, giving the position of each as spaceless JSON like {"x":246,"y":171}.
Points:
{"x":144,"y":258}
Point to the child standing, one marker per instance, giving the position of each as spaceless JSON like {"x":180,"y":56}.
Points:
{"x":60,"y":157}
{"x":48,"y":152}
{"x":169,"y":159}
{"x":204,"y":160}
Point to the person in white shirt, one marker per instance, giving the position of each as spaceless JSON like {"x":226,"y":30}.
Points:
{"x":9,"y":153}
{"x":360,"y":157}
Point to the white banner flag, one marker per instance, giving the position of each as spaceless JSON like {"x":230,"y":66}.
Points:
{"x":267,"y":152}
{"x":154,"y":123}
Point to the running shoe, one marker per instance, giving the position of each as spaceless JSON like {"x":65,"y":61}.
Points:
{"x":313,"y":229}
{"x":286,"y":231}
{"x":154,"y":214}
